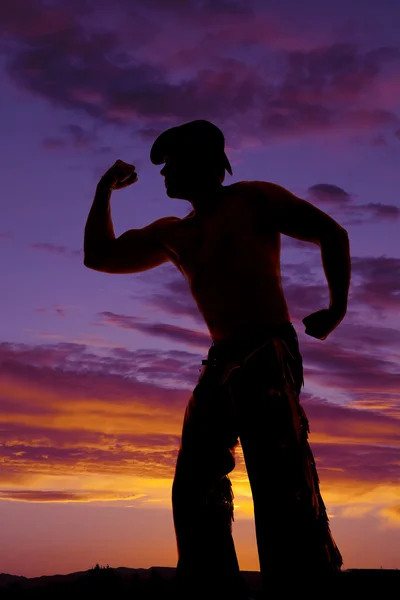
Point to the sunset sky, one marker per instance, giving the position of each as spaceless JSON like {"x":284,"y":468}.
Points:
{"x":96,"y":369}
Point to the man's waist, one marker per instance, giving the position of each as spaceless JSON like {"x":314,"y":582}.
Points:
{"x":238,"y":348}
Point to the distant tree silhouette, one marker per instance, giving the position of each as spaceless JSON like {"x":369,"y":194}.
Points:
{"x":99,"y":567}
{"x":104,"y":579}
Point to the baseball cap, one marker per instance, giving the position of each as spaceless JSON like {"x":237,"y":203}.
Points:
{"x":195,"y":136}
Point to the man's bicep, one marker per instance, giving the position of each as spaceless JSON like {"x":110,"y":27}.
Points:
{"x":135,"y":251}
{"x":296,"y":217}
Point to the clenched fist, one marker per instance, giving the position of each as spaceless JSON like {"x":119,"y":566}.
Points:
{"x":321,"y":323}
{"x":120,"y":175}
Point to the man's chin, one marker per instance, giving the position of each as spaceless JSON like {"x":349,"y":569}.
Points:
{"x":174,"y":193}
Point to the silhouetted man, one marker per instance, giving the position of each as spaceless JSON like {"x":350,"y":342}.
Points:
{"x":228,"y":249}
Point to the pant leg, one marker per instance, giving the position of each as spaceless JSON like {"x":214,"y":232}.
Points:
{"x":202,"y":496}
{"x":292,"y":530}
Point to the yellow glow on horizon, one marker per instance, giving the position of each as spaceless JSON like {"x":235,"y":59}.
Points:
{"x":144,"y":475}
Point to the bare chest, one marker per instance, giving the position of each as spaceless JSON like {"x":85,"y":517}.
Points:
{"x":225,"y":244}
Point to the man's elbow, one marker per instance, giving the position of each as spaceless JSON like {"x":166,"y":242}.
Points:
{"x":88,"y":264}
{"x":93,"y":263}
{"x":95,"y":258}
{"x":334,"y":234}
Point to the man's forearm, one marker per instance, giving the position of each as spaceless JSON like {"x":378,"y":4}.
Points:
{"x":99,"y":228}
{"x":335,"y":252}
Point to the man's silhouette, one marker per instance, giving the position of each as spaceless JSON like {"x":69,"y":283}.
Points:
{"x":228,"y":249}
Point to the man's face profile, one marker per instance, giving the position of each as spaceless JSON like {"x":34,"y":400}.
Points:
{"x":182,"y":174}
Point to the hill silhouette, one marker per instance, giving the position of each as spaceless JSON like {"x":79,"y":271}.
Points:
{"x":159,"y":582}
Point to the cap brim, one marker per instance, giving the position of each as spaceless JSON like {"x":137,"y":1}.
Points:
{"x":169,"y":139}
{"x":227,"y":164}
{"x":162,"y":145}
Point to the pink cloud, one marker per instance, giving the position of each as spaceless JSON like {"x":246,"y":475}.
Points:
{"x":59,"y":311}
{"x":53,"y":496}
{"x":39,"y":397}
{"x":347,"y":421}
{"x":148,"y":365}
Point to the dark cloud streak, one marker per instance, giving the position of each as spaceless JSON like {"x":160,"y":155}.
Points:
{"x":79,"y":67}
{"x":172,"y":332}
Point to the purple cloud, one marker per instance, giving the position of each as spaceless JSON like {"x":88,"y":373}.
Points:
{"x":176,"y":299}
{"x":123,"y":80}
{"x":379,"y":285}
{"x":171,"y":332}
{"x":76,"y":137}
{"x":328,"y":193}
{"x":336,"y":198}
{"x":56,"y":249}
{"x":379,"y":141}
{"x":374,"y":288}
{"x":382,"y":211}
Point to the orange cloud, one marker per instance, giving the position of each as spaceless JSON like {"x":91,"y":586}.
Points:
{"x":85,"y":435}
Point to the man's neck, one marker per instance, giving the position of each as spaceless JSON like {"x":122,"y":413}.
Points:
{"x":206,"y":202}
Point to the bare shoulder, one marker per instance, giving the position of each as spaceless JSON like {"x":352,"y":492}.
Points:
{"x":261,"y":189}
{"x":158,"y":230}
{"x":260,"y":192}
{"x":163,"y":224}
{"x":275,"y":207}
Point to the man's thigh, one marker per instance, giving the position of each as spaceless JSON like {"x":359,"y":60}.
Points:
{"x":210,"y":428}
{"x":272,"y":425}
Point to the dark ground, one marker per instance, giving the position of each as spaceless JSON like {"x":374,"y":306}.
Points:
{"x":158,"y":583}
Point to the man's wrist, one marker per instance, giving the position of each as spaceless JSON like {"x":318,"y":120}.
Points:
{"x":105,"y":184}
{"x":338,"y":310}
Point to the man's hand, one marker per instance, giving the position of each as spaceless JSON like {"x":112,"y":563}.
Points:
{"x":321,"y":323}
{"x":119,"y":176}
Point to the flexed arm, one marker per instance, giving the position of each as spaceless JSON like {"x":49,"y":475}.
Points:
{"x":280,"y":209}
{"x":99,"y":230}
{"x":134,"y":251}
